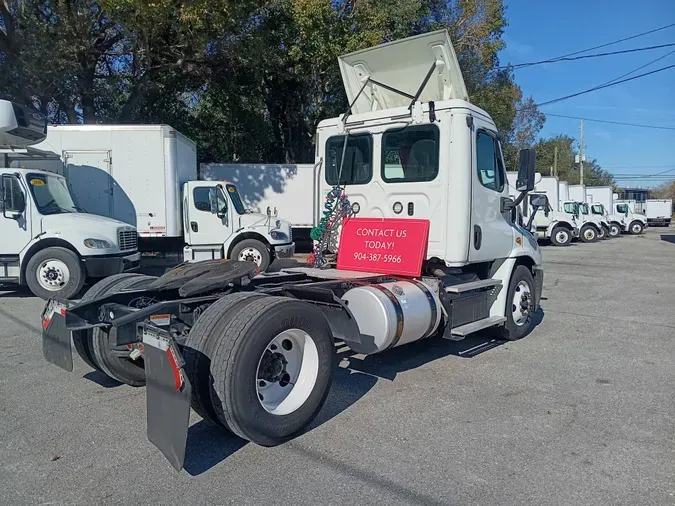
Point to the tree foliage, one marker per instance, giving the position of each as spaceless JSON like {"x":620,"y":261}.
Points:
{"x":247,"y":79}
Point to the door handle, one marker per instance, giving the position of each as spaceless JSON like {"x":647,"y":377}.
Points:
{"x":477,"y":236}
{"x":194,"y":226}
{"x":411,"y":208}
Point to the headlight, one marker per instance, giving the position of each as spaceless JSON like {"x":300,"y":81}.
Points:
{"x":97,"y":244}
{"x":278,"y":236}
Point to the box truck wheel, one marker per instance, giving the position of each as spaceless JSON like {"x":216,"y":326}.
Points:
{"x":519,"y":305}
{"x":199,"y":347}
{"x":636,"y":228}
{"x":93,"y":345}
{"x":588,"y":234}
{"x":252,"y":250}
{"x":614,"y":230}
{"x":561,"y":236}
{"x":602,"y":233}
{"x":272,"y":368}
{"x":54,"y":273}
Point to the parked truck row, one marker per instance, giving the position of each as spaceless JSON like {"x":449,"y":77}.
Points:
{"x":579,"y":212}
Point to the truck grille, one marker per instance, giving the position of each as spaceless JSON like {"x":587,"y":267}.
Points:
{"x":127,"y":239}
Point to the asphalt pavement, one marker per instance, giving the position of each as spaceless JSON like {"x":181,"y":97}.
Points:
{"x":580,"y":412}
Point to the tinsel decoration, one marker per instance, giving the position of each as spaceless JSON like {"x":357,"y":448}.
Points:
{"x":335,"y":208}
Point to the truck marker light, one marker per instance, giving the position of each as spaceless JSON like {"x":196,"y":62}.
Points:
{"x":177,"y":374}
{"x":519,"y":240}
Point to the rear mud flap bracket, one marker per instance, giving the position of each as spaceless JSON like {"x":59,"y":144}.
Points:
{"x":168,"y":393}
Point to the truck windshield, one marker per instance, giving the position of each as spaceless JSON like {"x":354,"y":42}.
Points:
{"x":51,"y":194}
{"x":598,"y":209}
{"x":583,"y":208}
{"x":236,"y":199}
{"x":571,"y":208}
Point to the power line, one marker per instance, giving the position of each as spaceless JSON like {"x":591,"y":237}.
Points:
{"x":560,"y":99}
{"x":636,"y":166}
{"x":596,"y":55}
{"x":640,"y":67}
{"x":609,"y":43}
{"x":658,"y":127}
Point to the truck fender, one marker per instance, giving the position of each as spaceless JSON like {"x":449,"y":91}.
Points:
{"x":503,"y":270}
{"x":554,"y":224}
{"x":38,"y":244}
{"x":244,"y":234}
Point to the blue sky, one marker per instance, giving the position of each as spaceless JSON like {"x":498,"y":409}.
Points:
{"x":541,"y":29}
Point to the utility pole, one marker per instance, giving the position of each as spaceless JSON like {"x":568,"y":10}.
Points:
{"x":555,"y":161}
{"x":581,"y":155}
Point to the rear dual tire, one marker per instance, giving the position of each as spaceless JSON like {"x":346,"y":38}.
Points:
{"x":251,"y":391}
{"x":95,"y":347}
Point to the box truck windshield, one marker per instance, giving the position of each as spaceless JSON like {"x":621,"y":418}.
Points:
{"x":598,"y":209}
{"x":236,"y":199}
{"x":51,"y":194}
{"x":571,"y":208}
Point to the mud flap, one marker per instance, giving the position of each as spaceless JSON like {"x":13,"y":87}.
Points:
{"x":168,"y":393}
{"x":56,"y":346}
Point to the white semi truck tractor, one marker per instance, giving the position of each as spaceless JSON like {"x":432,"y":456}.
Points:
{"x":47,"y":243}
{"x":253,"y":352}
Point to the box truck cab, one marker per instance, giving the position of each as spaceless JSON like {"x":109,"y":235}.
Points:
{"x":47,"y":243}
{"x":600,"y":199}
{"x":634,"y":223}
{"x":218,"y":225}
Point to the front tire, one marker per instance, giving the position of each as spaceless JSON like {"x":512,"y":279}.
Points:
{"x":272,"y":368}
{"x":54,"y":273}
{"x":561,"y":236}
{"x":614,"y":230}
{"x":602,"y":233}
{"x":252,"y":250}
{"x":636,"y":228}
{"x":588,"y":234}
{"x":519,"y":305}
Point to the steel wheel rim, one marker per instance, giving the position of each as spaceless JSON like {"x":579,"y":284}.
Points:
{"x":636,"y":228}
{"x":250,"y":254}
{"x":520,"y":305}
{"x":589,"y":234}
{"x":287,"y":372}
{"x":614,"y":230}
{"x":561,"y":236}
{"x":53,"y":275}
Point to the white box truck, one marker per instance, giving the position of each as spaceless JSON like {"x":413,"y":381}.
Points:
{"x":48,"y":243}
{"x":600,"y":198}
{"x":634,"y":223}
{"x":659,"y":211}
{"x":550,"y":223}
{"x":593,"y":227}
{"x":288,"y":188}
{"x":146,"y":176}
{"x":255,"y":353}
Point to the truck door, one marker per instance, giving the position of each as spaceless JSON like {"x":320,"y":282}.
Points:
{"x":15,"y":224}
{"x":88,"y":174}
{"x":491,"y":230}
{"x":209,"y":219}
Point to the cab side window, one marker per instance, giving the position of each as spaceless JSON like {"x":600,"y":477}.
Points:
{"x":489,"y":162}
{"x":410,"y":154}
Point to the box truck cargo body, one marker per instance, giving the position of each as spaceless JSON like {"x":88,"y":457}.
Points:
{"x":659,"y":211}
{"x":132,"y":173}
{"x":291,"y":189}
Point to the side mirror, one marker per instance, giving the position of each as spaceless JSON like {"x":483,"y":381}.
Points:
{"x":13,"y":202}
{"x":539,"y":201}
{"x":213,"y":202}
{"x":526,"y":170}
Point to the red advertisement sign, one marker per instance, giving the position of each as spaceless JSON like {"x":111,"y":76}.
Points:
{"x":384,"y":246}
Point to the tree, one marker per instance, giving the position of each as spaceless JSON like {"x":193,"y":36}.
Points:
{"x":664,"y":191}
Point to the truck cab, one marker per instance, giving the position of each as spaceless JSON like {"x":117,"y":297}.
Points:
{"x":218,"y":225}
{"x":47,"y":243}
{"x":633,"y":223}
{"x":559,"y":227}
{"x":614,"y":222}
{"x":590,"y":229}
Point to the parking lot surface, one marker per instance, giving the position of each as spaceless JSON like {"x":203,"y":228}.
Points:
{"x":579,"y":412}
